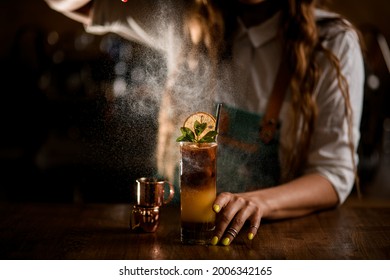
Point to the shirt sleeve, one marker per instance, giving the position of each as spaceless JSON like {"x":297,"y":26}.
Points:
{"x":330,"y":152}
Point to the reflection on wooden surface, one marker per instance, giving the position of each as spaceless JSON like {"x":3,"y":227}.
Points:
{"x":357,"y":230}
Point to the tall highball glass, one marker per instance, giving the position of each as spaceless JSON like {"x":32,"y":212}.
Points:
{"x":197,"y":191}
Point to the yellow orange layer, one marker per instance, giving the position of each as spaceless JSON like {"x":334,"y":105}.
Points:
{"x":196,"y":205}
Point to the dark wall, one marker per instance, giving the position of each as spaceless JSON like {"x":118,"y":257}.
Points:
{"x":65,"y":135}
{"x":362,"y":12}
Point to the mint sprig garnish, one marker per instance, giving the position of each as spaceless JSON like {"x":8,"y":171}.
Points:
{"x":186,"y":135}
{"x":189,"y":135}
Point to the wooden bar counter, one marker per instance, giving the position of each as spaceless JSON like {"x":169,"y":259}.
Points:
{"x":360,"y":229}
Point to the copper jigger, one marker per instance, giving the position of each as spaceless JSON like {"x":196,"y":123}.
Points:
{"x":150,"y":196}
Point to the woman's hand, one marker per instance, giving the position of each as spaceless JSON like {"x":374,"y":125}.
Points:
{"x":302,"y":196}
{"x":233,"y":210}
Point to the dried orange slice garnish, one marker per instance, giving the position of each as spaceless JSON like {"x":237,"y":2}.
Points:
{"x":198,"y":127}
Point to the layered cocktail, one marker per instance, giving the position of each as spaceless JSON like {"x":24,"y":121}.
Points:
{"x":197,"y":191}
{"x":198,"y":166}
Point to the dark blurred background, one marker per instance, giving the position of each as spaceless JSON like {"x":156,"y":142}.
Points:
{"x":68,"y":132}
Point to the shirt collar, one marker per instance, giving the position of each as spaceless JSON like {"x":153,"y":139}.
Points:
{"x":262,"y":33}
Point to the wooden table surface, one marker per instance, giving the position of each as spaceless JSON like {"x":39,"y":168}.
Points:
{"x":356,"y":230}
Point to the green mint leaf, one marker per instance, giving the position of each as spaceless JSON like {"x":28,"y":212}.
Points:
{"x":188,"y":132}
{"x":199,"y":127}
{"x":182,"y":138}
{"x":211,"y":133}
{"x":209,"y":137}
{"x":187,"y":135}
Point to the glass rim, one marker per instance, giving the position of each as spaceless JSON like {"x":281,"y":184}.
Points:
{"x":151,"y":180}
{"x":198,"y":144}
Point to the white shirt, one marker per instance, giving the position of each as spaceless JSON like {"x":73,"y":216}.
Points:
{"x":256,"y":57}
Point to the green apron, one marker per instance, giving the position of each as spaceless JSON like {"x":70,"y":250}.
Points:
{"x":244,"y":161}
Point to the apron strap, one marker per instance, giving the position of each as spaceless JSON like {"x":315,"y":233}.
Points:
{"x":269,"y":122}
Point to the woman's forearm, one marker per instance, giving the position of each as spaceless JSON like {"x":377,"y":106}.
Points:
{"x":67,"y":5}
{"x":79,"y":10}
{"x":299,"y":197}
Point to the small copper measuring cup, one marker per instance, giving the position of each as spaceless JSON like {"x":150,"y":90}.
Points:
{"x":150,"y":195}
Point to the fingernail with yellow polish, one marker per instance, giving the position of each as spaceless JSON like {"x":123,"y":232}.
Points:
{"x":214,"y":240}
{"x":226,"y":241}
{"x":250,"y":236}
{"x":216,"y":208}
